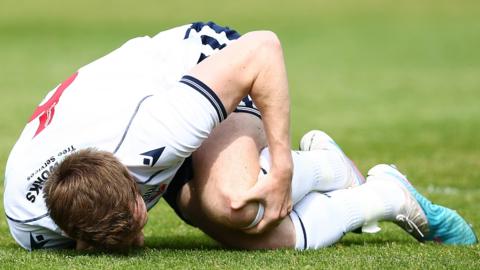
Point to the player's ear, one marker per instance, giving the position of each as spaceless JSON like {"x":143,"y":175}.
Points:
{"x":81,"y":245}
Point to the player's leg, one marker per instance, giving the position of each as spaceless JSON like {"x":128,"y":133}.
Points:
{"x":320,"y":220}
{"x":192,"y":210}
{"x":387,"y":196}
{"x":316,"y":221}
{"x":227,"y":164}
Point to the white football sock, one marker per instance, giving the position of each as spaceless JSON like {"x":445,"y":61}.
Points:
{"x":321,"y":220}
{"x":316,"y":170}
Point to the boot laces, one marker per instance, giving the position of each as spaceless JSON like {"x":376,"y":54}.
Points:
{"x":411,"y":225}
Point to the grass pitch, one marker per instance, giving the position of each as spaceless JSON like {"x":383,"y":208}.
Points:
{"x":392,"y":82}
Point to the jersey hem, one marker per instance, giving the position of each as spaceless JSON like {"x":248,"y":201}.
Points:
{"x":26,"y":220}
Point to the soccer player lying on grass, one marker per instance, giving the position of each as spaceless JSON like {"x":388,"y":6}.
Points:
{"x":119,"y":133}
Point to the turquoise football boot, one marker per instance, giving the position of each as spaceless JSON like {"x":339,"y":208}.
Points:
{"x":423,"y":219}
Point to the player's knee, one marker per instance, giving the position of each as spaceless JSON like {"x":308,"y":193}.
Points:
{"x":236,"y":218}
{"x":264,"y":42}
{"x":258,"y":50}
{"x":268,"y":38}
{"x":243,"y":217}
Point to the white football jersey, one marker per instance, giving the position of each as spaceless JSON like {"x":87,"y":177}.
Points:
{"x":133,"y":103}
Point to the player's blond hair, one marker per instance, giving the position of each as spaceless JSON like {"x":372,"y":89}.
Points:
{"x":91,"y":197}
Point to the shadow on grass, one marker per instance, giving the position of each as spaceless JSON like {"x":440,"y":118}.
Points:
{"x":364,"y":239}
{"x":168,"y":243}
{"x":155,"y":243}
{"x":180,"y":242}
{"x":372,"y":242}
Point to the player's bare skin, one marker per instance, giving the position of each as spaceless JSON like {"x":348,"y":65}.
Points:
{"x":254,"y":65}
{"x":228,"y":164}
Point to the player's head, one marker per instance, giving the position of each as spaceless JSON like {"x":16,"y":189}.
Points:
{"x":94,"y":200}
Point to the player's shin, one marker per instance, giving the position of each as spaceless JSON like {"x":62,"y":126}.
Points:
{"x":318,"y":222}
{"x":321,"y":220}
{"x":319,"y":170}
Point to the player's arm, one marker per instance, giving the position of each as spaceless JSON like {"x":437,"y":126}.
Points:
{"x":254,"y":65}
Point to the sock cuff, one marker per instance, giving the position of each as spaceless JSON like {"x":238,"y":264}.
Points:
{"x":300,"y":233}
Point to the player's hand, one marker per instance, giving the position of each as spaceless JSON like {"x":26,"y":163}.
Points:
{"x":274,"y":192}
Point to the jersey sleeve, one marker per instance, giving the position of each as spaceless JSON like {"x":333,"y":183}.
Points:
{"x":167,"y":128}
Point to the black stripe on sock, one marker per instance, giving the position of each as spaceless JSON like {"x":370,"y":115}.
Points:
{"x":303,"y":229}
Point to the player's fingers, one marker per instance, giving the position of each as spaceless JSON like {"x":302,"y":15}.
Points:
{"x":285,"y":209}
{"x":271,"y":218}
{"x":289,"y":206}
{"x":264,"y":225}
{"x":253,"y":194}
{"x":242,"y":200}
{"x":260,"y":228}
{"x":284,"y":212}
{"x":238,"y":203}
